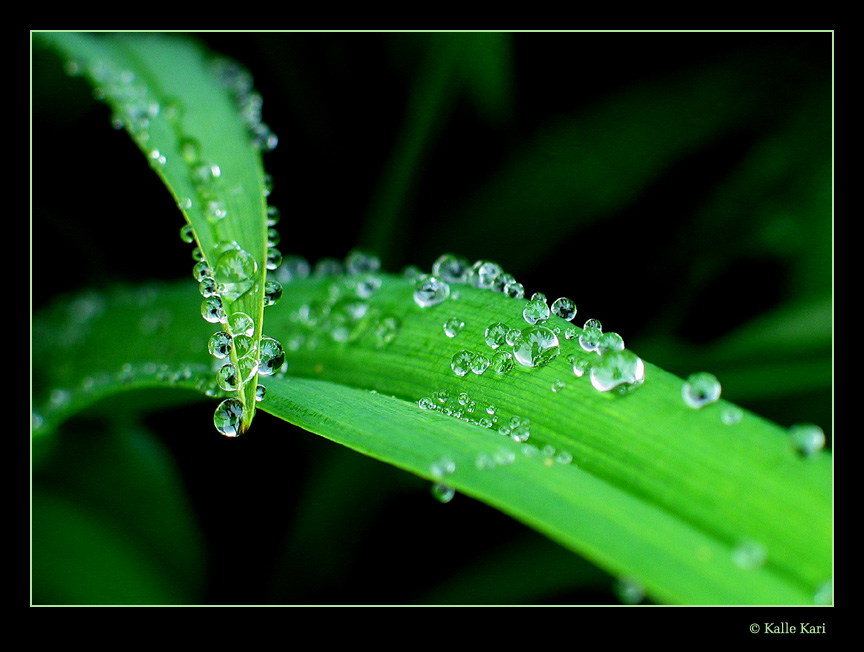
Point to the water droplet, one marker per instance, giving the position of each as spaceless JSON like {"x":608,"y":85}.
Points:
{"x":618,"y":371}
{"x":700,"y":389}
{"x":274,"y":258}
{"x":536,"y":312}
{"x":187,"y":233}
{"x":483,"y":274}
{"x":243,"y":345}
{"x":219,"y":345}
{"x":273,"y":216}
{"x":207,"y":287}
{"x":430,"y":291}
{"x":825,"y":593}
{"x":749,"y":555}
{"x":495,"y":334}
{"x":201,"y":270}
{"x":359,"y":262}
{"x":426,"y":403}
{"x":610,"y":342}
{"x":589,"y":338}
{"x":536,"y":347}
{"x":479,"y":363}
{"x":628,"y":590}
{"x":235,"y":272}
{"x":327,"y":267}
{"x":443,"y":493}
{"x":260,"y":393}
{"x":512,"y":336}
{"x":564,"y":308}
{"x":241,"y":324}
{"x":807,"y":439}
{"x":212,"y":310}
{"x":558,"y":385}
{"x":190,"y":150}
{"x":293,"y":268}
{"x":520,"y":429}
{"x":731,"y":415}
{"x":514,"y":290}
{"x":272,"y":356}
{"x":461,"y":361}
{"x":501,"y":362}
{"x":228,"y":417}
{"x":452,"y":326}
{"x":227,"y":378}
{"x":247,"y":366}
{"x":451,"y":268}
{"x":272,"y":292}
{"x":593,"y":323}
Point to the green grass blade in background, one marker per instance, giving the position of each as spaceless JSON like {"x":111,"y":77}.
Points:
{"x":641,"y":484}
{"x":197,"y":120}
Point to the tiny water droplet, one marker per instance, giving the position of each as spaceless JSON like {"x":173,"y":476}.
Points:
{"x":564,"y":308}
{"x":700,"y":389}
{"x":426,"y":403}
{"x":749,"y":555}
{"x":228,"y":417}
{"x":512,"y":336}
{"x":187,"y":233}
{"x":260,"y":393}
{"x":443,"y":493}
{"x":558,"y":385}
{"x":536,"y":347}
{"x":453,"y":326}
{"x":731,"y":415}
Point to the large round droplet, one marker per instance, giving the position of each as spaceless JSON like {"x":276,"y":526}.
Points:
{"x":219,"y":345}
{"x":496,"y":334}
{"x":700,"y":389}
{"x":564,"y":308}
{"x":807,"y":439}
{"x":618,"y":371}
{"x":484,"y":273}
{"x":235,"y":272}
{"x":227,"y":378}
{"x":461,"y":361}
{"x":241,"y":324}
{"x":536,"y":312}
{"x":228,"y":417}
{"x":536,"y":347}
{"x":272,"y":357}
{"x":212,"y":310}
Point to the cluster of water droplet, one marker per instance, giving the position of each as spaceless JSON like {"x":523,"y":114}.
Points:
{"x":347,"y":314}
{"x":238,"y":81}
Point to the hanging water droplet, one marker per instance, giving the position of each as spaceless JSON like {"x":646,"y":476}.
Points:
{"x":700,"y":389}
{"x":536,"y":312}
{"x":227,"y":378}
{"x":201,"y":270}
{"x":537,"y":346}
{"x":241,"y":324}
{"x":212,"y":310}
{"x":501,"y":362}
{"x":443,"y":493}
{"x":628,"y":590}
{"x":618,"y":371}
{"x":495,"y":334}
{"x":564,"y":308}
{"x":807,"y":439}
{"x":187,"y":233}
{"x":272,"y":356}
{"x":430,"y":291}
{"x":453,"y":326}
{"x":461,"y":361}
{"x":273,"y":215}
{"x":451,"y":268}
{"x":228,"y":417}
{"x":260,"y":393}
{"x":235,"y":272}
{"x":272,"y":292}
{"x":274,"y":258}
{"x":219,"y":345}
{"x":207,"y":287}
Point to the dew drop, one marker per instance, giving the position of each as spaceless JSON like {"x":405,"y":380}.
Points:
{"x":292,"y":269}
{"x":483,"y":274}
{"x":451,"y":268}
{"x":479,"y":363}
{"x":272,"y":292}
{"x":207,"y":287}
{"x":628,"y":590}
{"x":461,"y":361}
{"x":227,"y":378}
{"x":700,"y":389}
{"x":807,"y":439}
{"x":593,"y":323}
{"x":453,"y":326}
{"x":246,"y":367}
{"x":201,"y":270}
{"x":536,"y":312}
{"x":235,"y":273}
{"x":228,"y":417}
{"x":618,"y":371}
{"x":212,"y":310}
{"x":360,"y":262}
{"x":501,"y":362}
{"x":514,"y":290}
{"x":610,"y":342}
{"x":443,"y":493}
{"x":564,"y":308}
{"x":241,"y":324}
{"x":495,"y":335}
{"x":187,"y":234}
{"x":272,"y":356}
{"x":219,"y":345}
{"x":243,"y":345}
{"x":558,"y":385}
{"x":731,"y":415}
{"x":260,"y":393}
{"x":589,"y":338}
{"x":430,"y":291}
{"x":274,"y":258}
{"x":426,"y":403}
{"x":512,"y":336}
{"x":536,"y":347}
